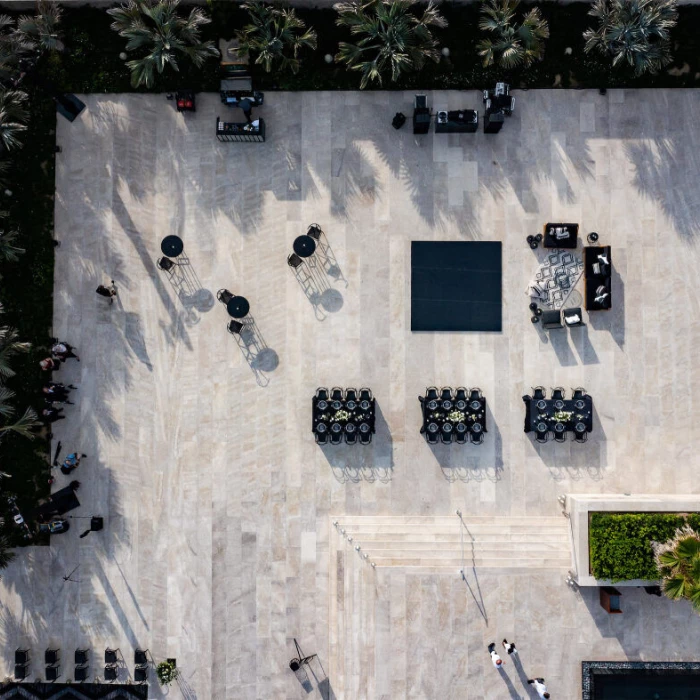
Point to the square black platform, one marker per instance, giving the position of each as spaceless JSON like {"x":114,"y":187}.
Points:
{"x":456,"y":286}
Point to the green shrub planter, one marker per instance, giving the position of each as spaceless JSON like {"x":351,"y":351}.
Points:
{"x":166,"y":671}
{"x":620,"y":543}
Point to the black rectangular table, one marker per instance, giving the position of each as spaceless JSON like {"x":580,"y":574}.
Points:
{"x":327,"y":414}
{"x":435,"y":414}
{"x":551,"y":241}
{"x":536,"y":415}
{"x":456,"y":286}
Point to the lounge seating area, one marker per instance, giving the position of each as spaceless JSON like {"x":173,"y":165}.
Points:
{"x":597,"y":261}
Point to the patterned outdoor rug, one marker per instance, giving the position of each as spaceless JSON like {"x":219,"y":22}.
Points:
{"x":555,"y":280}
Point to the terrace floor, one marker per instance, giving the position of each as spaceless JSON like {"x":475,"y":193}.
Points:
{"x":218,"y":548}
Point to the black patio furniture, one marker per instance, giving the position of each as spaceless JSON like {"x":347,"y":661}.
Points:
{"x":111,"y":656}
{"x":542,"y":437}
{"x":573,"y":317}
{"x":461,"y":437}
{"x":238,"y":307}
{"x":321,"y":438}
{"x":81,"y":673}
{"x":578,"y":393}
{"x":224,"y":296}
{"x":171,"y":246}
{"x":581,"y":437}
{"x":341,"y":414}
{"x":53,"y":673}
{"x":446,"y":438}
{"x":365,"y":394}
{"x":140,"y":657}
{"x":315,"y":232}
{"x":560,"y":235}
{"x":538,"y":392}
{"x":21,"y":671}
{"x":446,"y":393}
{"x":431,"y":393}
{"x":234,"y":327}
{"x":81,"y":656}
{"x":166,"y":264}
{"x":475,"y":394}
{"x":111,"y":673}
{"x":453,"y":413}
{"x":432,"y":438}
{"x":52,"y":656}
{"x":365,"y":438}
{"x":304,"y":246}
{"x":294,"y":261}
{"x":141,"y":674}
{"x":558,"y":415}
{"x":560,"y":436}
{"x":476,"y":439}
{"x":461,"y":398}
{"x":551,"y":319}
{"x":21,"y":656}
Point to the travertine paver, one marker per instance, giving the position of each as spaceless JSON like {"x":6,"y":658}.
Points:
{"x":218,"y":503}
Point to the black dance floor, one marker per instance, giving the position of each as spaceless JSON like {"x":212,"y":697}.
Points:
{"x":456,"y":286}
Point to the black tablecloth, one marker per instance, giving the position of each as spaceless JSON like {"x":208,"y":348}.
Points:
{"x":358,"y":415}
{"x":171,"y":246}
{"x":533,"y":413}
{"x":439,"y":415}
{"x":304,"y":246}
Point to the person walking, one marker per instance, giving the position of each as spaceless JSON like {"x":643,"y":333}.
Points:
{"x":48,"y":364}
{"x":51,"y":414}
{"x":63,"y":351}
{"x":71,"y":462}
{"x":54,"y":392}
{"x":496,"y":660}
{"x":108,"y":292}
{"x":539,"y":686}
{"x":509,"y":647}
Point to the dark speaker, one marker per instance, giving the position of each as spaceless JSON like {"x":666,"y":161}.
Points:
{"x":96,"y":523}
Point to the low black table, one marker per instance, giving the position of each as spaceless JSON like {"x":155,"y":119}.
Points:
{"x":534,"y":409}
{"x":172,"y":246}
{"x":238,"y":307}
{"x":304,"y":246}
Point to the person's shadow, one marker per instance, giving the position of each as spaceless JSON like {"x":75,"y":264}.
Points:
{"x":512,"y":690}
{"x":531,"y":692}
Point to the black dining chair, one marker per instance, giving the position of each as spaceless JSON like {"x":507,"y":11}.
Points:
{"x":475,"y":394}
{"x":52,"y":656}
{"x":81,"y":656}
{"x":560,"y":436}
{"x":581,"y":437}
{"x":446,"y":393}
{"x":141,"y":674}
{"x":81,"y":673}
{"x":350,"y":438}
{"x":538,"y":392}
{"x":234,"y":327}
{"x":476,"y":438}
{"x":166,"y":264}
{"x":542,"y":437}
{"x":461,"y":394}
{"x":315,"y":232}
{"x":365,"y":394}
{"x":294,"y":261}
{"x":446,"y":438}
{"x":321,"y":438}
{"x":558,"y":393}
{"x":336,"y":438}
{"x":21,"y":656}
{"x":366,"y":438}
{"x":21,"y":671}
{"x":432,"y":438}
{"x":460,"y":438}
{"x":111,"y":656}
{"x":578,"y":393}
{"x":431,"y":393}
{"x":351,"y":395}
{"x":322,"y":393}
{"x":336,"y":394}
{"x":224,"y":296}
{"x":53,"y":673}
{"x":111,"y":673}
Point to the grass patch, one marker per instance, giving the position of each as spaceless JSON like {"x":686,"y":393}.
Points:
{"x":620,"y":543}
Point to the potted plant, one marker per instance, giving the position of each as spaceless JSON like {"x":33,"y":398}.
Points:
{"x":166,"y":671}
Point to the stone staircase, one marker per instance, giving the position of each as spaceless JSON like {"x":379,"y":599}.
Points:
{"x":444,"y":543}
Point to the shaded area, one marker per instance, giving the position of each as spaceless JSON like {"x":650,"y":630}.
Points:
{"x":81,"y":691}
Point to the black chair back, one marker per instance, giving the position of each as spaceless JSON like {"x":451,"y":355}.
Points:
{"x":476,"y":438}
{"x":51,"y":656}
{"x":234,"y":327}
{"x":336,"y":394}
{"x":431,"y":393}
{"x":81,"y":673}
{"x":560,"y":437}
{"x":365,"y":394}
{"x":224,"y":296}
{"x":21,"y":656}
{"x":294,"y":261}
{"x":475,"y":394}
{"x":446,"y":393}
{"x":446,"y":437}
{"x":351,"y":394}
{"x":581,"y":437}
{"x":558,"y":393}
{"x":350,"y":438}
{"x":315,"y":232}
{"x":542,"y":437}
{"x":111,"y":656}
{"x":461,"y":394}
{"x":322,"y":393}
{"x":365,"y":438}
{"x":321,"y":438}
{"x":140,"y":657}
{"x":165,"y":264}
{"x":81,"y":657}
{"x":336,"y":438}
{"x":578,"y":393}
{"x":460,"y":438}
{"x":21,"y":671}
{"x":538,"y":393}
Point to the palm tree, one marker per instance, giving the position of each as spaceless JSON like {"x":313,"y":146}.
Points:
{"x":274,"y":33}
{"x":679,"y":564}
{"x":154,"y":27}
{"x":40,"y":31}
{"x":12,"y":48}
{"x":394,"y":40}
{"x":9,"y":347}
{"x":508,"y":43}
{"x":8,"y":250}
{"x":13,"y":117}
{"x":633,"y":32}
{"x":6,"y":556}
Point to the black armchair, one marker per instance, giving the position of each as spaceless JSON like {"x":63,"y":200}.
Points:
{"x":53,"y":673}
{"x":578,"y":393}
{"x":560,"y":436}
{"x":294,"y":261}
{"x":111,"y":673}
{"x":140,"y":657}
{"x":141,"y":674}
{"x":551,"y":319}
{"x":21,"y":671}
{"x":111,"y":656}
{"x":581,"y":437}
{"x":224,"y":296}
{"x":431,"y":438}
{"x":460,"y":438}
{"x":446,"y":437}
{"x":542,"y":436}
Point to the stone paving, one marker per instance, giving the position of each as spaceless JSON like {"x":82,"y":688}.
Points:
{"x":218,"y":504}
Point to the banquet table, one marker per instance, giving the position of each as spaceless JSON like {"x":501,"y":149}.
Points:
{"x":436,"y":414}
{"x":541,"y":411}
{"x":361,"y":418}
